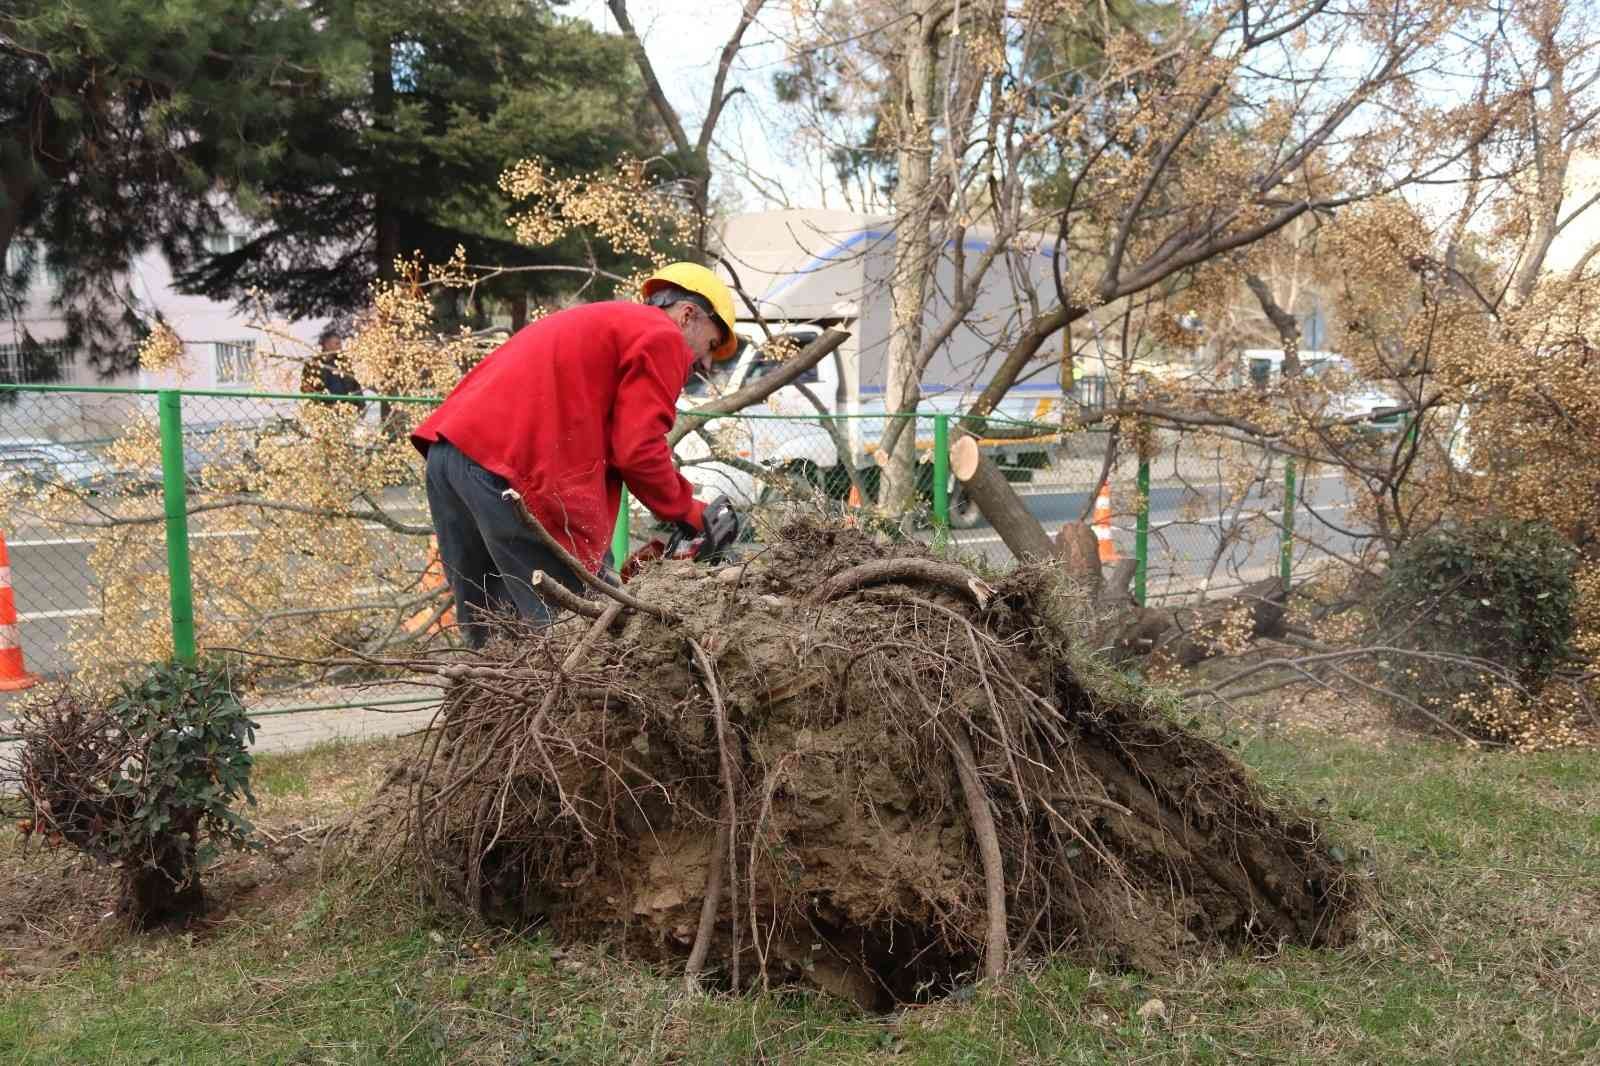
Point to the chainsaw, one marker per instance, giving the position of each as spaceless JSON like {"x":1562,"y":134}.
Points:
{"x":709,"y":545}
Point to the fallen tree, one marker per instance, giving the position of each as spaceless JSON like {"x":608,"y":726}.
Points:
{"x":854,"y":765}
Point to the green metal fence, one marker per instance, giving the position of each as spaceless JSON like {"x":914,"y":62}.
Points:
{"x":148,"y":522}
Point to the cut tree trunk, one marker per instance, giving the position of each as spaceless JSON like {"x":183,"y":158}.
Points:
{"x":1185,"y":635}
{"x":1079,"y":551}
{"x":1019,"y":530}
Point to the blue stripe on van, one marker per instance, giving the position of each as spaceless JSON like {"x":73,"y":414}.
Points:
{"x":817,"y":262}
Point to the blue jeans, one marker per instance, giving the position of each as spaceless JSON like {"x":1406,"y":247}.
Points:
{"x":487,"y":551}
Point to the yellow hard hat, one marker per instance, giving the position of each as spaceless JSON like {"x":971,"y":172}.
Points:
{"x":692,"y":277}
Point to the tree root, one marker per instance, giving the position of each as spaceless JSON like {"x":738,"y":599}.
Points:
{"x":561,"y":596}
{"x":926,"y":571}
{"x":582,"y":572}
{"x":981,"y":817}
{"x":728,"y":831}
{"x":866,"y":754}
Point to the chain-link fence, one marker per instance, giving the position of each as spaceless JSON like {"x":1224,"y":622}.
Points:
{"x":300,"y":524}
{"x":141,"y":523}
{"x":1201,"y":514}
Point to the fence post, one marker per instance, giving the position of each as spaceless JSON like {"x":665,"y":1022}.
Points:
{"x":175,"y":504}
{"x":941,"y":479}
{"x":1286,"y":553}
{"x":1141,"y":533}
{"x":620,"y":542}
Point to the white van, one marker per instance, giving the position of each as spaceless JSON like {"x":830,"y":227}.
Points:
{"x":807,"y":271}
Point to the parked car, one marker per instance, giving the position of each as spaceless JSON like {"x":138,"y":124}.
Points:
{"x":40,"y":462}
{"x":1349,"y":395}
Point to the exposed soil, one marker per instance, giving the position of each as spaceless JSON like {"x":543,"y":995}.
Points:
{"x":886,"y":777}
{"x":57,"y":905}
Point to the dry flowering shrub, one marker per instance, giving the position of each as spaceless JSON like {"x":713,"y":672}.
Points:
{"x":1554,"y":718}
{"x":162,"y":350}
{"x":623,"y":206}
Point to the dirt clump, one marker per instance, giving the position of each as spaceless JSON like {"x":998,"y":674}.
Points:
{"x":853,"y":764}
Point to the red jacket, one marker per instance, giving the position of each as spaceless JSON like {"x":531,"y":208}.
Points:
{"x":572,"y":408}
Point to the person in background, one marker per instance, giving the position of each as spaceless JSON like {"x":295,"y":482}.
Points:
{"x":322,"y":372}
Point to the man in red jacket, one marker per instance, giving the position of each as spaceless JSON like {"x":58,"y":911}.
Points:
{"x":567,"y":412}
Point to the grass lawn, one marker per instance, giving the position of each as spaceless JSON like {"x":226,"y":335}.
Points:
{"x":1484,"y":947}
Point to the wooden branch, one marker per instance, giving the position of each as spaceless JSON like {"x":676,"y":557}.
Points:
{"x":228,"y":502}
{"x":719,"y":97}
{"x":1157,"y":170}
{"x":1282,"y":321}
{"x":758,"y":390}
{"x":652,"y":84}
{"x":582,"y":572}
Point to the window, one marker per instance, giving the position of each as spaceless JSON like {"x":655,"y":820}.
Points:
{"x":236,"y":362}
{"x":38,"y":361}
{"x":17,"y":254}
{"x":223,"y":242}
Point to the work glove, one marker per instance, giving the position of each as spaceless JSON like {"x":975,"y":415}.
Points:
{"x":720,"y":530}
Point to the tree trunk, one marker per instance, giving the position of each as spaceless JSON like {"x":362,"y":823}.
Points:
{"x":386,"y":222}
{"x":908,"y":282}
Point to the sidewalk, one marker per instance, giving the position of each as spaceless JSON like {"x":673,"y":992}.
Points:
{"x":307,"y":729}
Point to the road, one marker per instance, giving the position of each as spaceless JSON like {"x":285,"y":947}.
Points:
{"x":1187,"y":529}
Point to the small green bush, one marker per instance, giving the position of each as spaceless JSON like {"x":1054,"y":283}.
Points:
{"x":1497,"y":590}
{"x":149,"y":781}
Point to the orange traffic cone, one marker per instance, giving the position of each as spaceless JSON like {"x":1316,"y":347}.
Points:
{"x":13,"y":675}
{"x":852,"y":505}
{"x":432,"y":580}
{"x":1102,"y":524}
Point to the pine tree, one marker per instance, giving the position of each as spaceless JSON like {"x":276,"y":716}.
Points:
{"x":405,"y":157}
{"x":118,"y":121}
{"x":347,"y":132}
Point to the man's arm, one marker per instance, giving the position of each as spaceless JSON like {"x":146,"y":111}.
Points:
{"x":653,"y":369}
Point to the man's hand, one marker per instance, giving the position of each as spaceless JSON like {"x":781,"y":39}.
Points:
{"x":721,"y":530}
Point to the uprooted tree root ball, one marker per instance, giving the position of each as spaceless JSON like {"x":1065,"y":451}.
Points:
{"x":855,"y":765}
